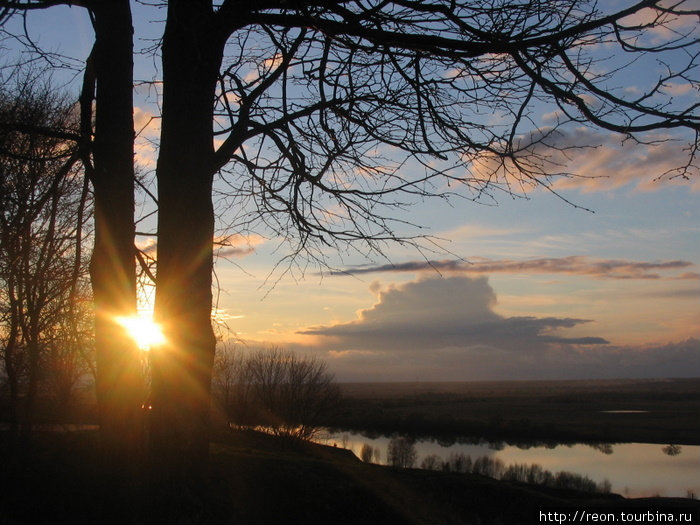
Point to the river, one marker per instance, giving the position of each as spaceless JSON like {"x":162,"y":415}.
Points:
{"x":633,"y":469}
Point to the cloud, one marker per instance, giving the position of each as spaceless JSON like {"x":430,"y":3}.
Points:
{"x":673,"y":359}
{"x":573,"y":265}
{"x":148,"y":245}
{"x":446,"y":329}
{"x":596,"y":160}
{"x":264,"y":68}
{"x":677,"y":89}
{"x":689,"y":276}
{"x":614,"y":161}
{"x":553,"y":116}
{"x":237,"y":245}
{"x":671,"y":293}
{"x":663,"y":28}
{"x":479,"y":231}
{"x":438,"y":313}
{"x":146,"y":123}
{"x":147,"y":126}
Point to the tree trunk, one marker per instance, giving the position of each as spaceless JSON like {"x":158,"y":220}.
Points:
{"x":181,"y":369}
{"x":120,"y":388}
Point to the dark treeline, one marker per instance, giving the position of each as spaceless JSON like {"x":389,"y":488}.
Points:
{"x":449,"y":429}
{"x":662,"y":411}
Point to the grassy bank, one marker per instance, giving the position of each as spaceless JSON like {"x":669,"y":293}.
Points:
{"x":255,"y":479}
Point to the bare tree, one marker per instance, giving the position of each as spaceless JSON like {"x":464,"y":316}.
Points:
{"x":42,"y":230}
{"x":277,"y":389}
{"x":322,"y":87}
{"x":226,"y":384}
{"x":106,"y":149}
{"x":302,"y":97}
{"x":70,"y":359}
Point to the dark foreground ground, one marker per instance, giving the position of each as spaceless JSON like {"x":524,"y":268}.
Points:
{"x":255,"y":478}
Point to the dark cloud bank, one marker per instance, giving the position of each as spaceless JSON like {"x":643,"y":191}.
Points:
{"x":572,"y":265}
{"x":445,"y":329}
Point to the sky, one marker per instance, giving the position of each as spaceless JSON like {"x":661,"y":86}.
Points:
{"x":602,"y":283}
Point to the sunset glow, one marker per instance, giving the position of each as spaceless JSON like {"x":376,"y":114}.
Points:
{"x":143,"y":330}
{"x":595,"y":277}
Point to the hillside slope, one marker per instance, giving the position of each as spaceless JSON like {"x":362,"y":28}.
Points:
{"x":259,"y":479}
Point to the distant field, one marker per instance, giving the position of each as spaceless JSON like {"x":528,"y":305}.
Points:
{"x":646,"y":410}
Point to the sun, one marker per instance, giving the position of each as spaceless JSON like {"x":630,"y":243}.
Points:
{"x":143,"y":330}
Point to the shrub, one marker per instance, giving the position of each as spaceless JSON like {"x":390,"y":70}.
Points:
{"x":277,"y":389}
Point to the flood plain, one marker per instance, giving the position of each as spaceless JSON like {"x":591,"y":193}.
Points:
{"x":643,"y":436}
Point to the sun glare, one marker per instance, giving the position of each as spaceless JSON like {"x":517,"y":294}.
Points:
{"x":143,"y":330}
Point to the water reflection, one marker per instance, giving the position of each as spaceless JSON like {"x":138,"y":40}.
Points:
{"x":605,"y":448}
{"x":672,"y":450}
{"x":633,"y":469}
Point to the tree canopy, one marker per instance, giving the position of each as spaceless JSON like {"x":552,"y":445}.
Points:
{"x":332,"y":115}
{"x":325,"y":119}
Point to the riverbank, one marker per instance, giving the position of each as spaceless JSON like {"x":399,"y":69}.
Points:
{"x":256,"y":478}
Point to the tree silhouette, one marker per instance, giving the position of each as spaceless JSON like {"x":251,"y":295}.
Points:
{"x":324,"y":85}
{"x":105,"y":147}
{"x":108,"y":155}
{"x":275,"y":388}
{"x":327,"y":118}
{"x":43,"y":220}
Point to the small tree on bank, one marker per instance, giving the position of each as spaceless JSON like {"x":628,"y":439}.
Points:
{"x":275,"y":388}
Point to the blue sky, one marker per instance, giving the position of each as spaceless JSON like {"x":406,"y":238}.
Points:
{"x":605,"y":285}
{"x":627,"y":273}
